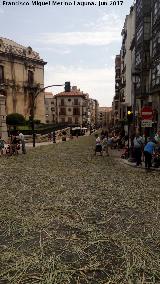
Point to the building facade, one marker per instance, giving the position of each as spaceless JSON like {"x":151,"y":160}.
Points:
{"x":142,"y":53}
{"x":72,"y":107}
{"x":93,"y":108}
{"x":155,"y":64}
{"x":21,"y":77}
{"x":50,"y":108}
{"x":123,"y":72}
{"x":105,"y":117}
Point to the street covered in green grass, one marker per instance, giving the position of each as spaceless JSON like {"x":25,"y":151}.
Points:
{"x":68,"y":216}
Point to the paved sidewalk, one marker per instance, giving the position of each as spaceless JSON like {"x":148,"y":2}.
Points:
{"x":117,"y":154}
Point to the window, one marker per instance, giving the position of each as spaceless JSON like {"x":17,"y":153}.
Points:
{"x":62,"y":111}
{"x":52,"y":103}
{"x":76,"y":111}
{"x":76,"y":120}
{"x":69,"y":109}
{"x":30,"y":77}
{"x":62,"y":102}
{"x":69,"y":100}
{"x":1,"y":74}
{"x":69,"y":119}
{"x":76,"y":102}
{"x":63,"y":119}
{"x":156,"y":75}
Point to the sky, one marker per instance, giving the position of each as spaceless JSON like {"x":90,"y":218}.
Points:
{"x":78,"y":42}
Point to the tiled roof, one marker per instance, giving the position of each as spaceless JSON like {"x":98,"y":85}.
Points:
{"x":72,"y":93}
{"x":48,"y":95}
{"x":11,"y":47}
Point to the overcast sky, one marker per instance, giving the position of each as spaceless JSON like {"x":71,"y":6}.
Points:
{"x":78,"y":42}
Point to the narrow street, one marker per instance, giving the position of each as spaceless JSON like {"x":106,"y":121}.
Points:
{"x":68,"y":216}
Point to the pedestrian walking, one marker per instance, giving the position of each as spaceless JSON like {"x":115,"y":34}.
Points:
{"x":138,"y":148}
{"x":148,"y":152}
{"x":98,"y":147}
{"x":22,"y":141}
{"x":14,"y":145}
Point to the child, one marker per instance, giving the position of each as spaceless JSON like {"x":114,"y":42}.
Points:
{"x":98,"y":147}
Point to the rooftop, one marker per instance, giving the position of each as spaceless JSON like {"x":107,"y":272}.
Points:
{"x":49,"y":95}
{"x":11,"y":47}
{"x":72,"y":93}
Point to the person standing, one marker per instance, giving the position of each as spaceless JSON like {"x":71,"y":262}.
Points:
{"x":157,"y":137}
{"x":98,"y":147}
{"x":148,"y":151}
{"x":14,"y":143}
{"x":138,"y":147}
{"x":1,"y":145}
{"x":21,"y":138}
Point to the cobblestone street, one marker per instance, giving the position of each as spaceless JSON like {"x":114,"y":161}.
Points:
{"x":68,"y":216}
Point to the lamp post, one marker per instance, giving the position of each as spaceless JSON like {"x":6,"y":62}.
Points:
{"x":34,"y":94}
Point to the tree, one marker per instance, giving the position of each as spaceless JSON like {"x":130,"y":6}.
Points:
{"x":15,"y":119}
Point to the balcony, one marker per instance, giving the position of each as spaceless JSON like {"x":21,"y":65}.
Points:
{"x":116,"y":98}
{"x":76,"y":114}
{"x":7,"y":82}
{"x":62,"y":113}
{"x":31,"y":86}
{"x":62,"y":105}
{"x":76,"y":104}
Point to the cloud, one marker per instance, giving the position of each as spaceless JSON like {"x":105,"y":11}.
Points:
{"x":104,"y":31}
{"x":60,"y":50}
{"x":97,"y":82}
{"x":107,"y":22}
{"x":81,"y":38}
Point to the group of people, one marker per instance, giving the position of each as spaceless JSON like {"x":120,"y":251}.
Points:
{"x":148,"y":148}
{"x":15,"y":143}
{"x":139,"y":144}
{"x":113,"y":140}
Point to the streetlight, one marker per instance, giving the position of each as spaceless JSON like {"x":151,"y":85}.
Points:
{"x":35,"y":92}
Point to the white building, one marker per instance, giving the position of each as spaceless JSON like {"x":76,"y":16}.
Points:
{"x":50,"y":108}
{"x":128,"y":34}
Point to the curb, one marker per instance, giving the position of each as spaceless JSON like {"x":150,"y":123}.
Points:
{"x":134,"y":165}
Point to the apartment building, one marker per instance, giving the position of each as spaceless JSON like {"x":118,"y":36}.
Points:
{"x":142,"y":51}
{"x":105,"y":117}
{"x":155,"y":64}
{"x":126,"y":93}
